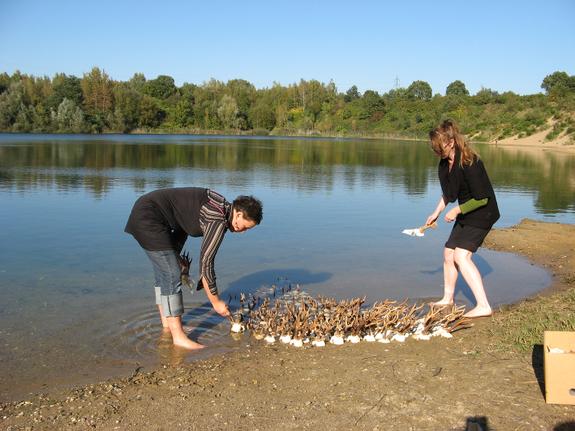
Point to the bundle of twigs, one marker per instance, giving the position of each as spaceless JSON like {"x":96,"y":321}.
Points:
{"x":297,"y":318}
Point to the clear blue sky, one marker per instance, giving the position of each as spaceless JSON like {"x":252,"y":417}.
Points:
{"x":502,"y":45}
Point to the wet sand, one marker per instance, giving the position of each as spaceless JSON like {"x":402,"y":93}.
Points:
{"x":442,"y":384}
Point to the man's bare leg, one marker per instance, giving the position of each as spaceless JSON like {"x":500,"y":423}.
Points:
{"x":179,"y":337}
{"x":163,"y":318}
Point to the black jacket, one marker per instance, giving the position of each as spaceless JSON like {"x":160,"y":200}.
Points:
{"x":163,"y":219}
{"x":467,"y":182}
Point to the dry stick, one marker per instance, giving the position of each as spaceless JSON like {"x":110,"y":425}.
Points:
{"x":427,"y":226}
{"x":368,"y":411}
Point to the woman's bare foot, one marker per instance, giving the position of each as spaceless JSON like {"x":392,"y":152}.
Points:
{"x":186,"y":343}
{"x":442,"y":303}
{"x":479,"y":312}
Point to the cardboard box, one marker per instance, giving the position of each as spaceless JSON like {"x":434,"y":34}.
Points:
{"x":559,"y":363}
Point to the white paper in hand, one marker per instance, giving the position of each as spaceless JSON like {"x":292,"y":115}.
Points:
{"x":413,"y":232}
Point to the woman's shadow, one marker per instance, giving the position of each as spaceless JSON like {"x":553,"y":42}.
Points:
{"x":262,"y":283}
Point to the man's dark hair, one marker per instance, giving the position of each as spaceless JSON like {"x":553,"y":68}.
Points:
{"x":250,"y":207}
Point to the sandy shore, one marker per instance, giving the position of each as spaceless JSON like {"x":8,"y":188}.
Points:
{"x":537,"y":142}
{"x":442,"y":384}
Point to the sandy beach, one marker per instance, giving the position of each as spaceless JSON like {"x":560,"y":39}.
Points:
{"x":442,"y":384}
{"x":538,"y":142}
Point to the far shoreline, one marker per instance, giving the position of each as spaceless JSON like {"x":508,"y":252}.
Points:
{"x":531,"y":143}
{"x":537,"y":141}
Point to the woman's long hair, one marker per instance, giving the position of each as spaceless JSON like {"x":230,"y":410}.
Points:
{"x":442,"y":134}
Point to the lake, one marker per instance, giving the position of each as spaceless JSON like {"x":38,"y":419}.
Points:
{"x":77,"y":297}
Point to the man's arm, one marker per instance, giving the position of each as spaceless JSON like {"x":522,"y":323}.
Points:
{"x":213,"y":236}
{"x":219,"y":305}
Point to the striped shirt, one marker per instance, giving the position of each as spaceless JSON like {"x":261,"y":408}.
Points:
{"x":215,"y":217}
{"x":163,"y":219}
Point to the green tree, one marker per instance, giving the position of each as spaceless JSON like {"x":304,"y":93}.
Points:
{"x":36,"y":90}
{"x":187,"y":91}
{"x":419,"y":90}
{"x":69,"y":118}
{"x":41,"y":119}
{"x":161,"y":88}
{"x":5,"y":82}
{"x":456,"y":88}
{"x":151,"y":114}
{"x":244,"y":93}
{"x":313,"y":94}
{"x":24,"y":119}
{"x":228,"y":112}
{"x":262,"y":113}
{"x":65,"y":87}
{"x":279,"y":100}
{"x":395,"y":95}
{"x":127,"y":108}
{"x":558,"y":83}
{"x":97,"y":93}
{"x":371,"y":102}
{"x":485,"y":96}
{"x":11,"y":103}
{"x":137,"y":82}
{"x":184,"y":113}
{"x":207,"y":101}
{"x":351,"y":94}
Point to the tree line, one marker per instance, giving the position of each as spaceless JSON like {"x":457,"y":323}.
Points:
{"x":95,"y":103}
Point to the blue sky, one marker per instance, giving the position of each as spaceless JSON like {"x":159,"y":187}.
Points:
{"x":502,"y":45}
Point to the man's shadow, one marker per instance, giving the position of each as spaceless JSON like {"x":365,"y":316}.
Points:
{"x":461,"y":286}
{"x":263,"y":283}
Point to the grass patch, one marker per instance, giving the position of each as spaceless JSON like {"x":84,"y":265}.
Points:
{"x":521,"y":326}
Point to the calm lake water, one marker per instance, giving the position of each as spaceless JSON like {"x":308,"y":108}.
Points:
{"x":77,"y":301}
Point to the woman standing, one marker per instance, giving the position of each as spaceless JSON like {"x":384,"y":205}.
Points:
{"x":463,"y":178}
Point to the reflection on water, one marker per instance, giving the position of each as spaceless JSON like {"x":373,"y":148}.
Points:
{"x":77,"y":301}
{"x":101,"y":163}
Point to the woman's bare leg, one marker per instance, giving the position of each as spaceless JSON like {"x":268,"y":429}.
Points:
{"x":449,"y":278}
{"x":472,"y":276}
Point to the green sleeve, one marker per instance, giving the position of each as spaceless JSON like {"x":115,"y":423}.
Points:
{"x":472,"y":205}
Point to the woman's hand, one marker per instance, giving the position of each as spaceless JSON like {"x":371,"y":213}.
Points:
{"x":431,"y":218}
{"x":435,"y":214}
{"x":452,"y":214}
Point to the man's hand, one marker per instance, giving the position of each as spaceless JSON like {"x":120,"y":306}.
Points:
{"x":221,"y":308}
{"x":219,"y":305}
